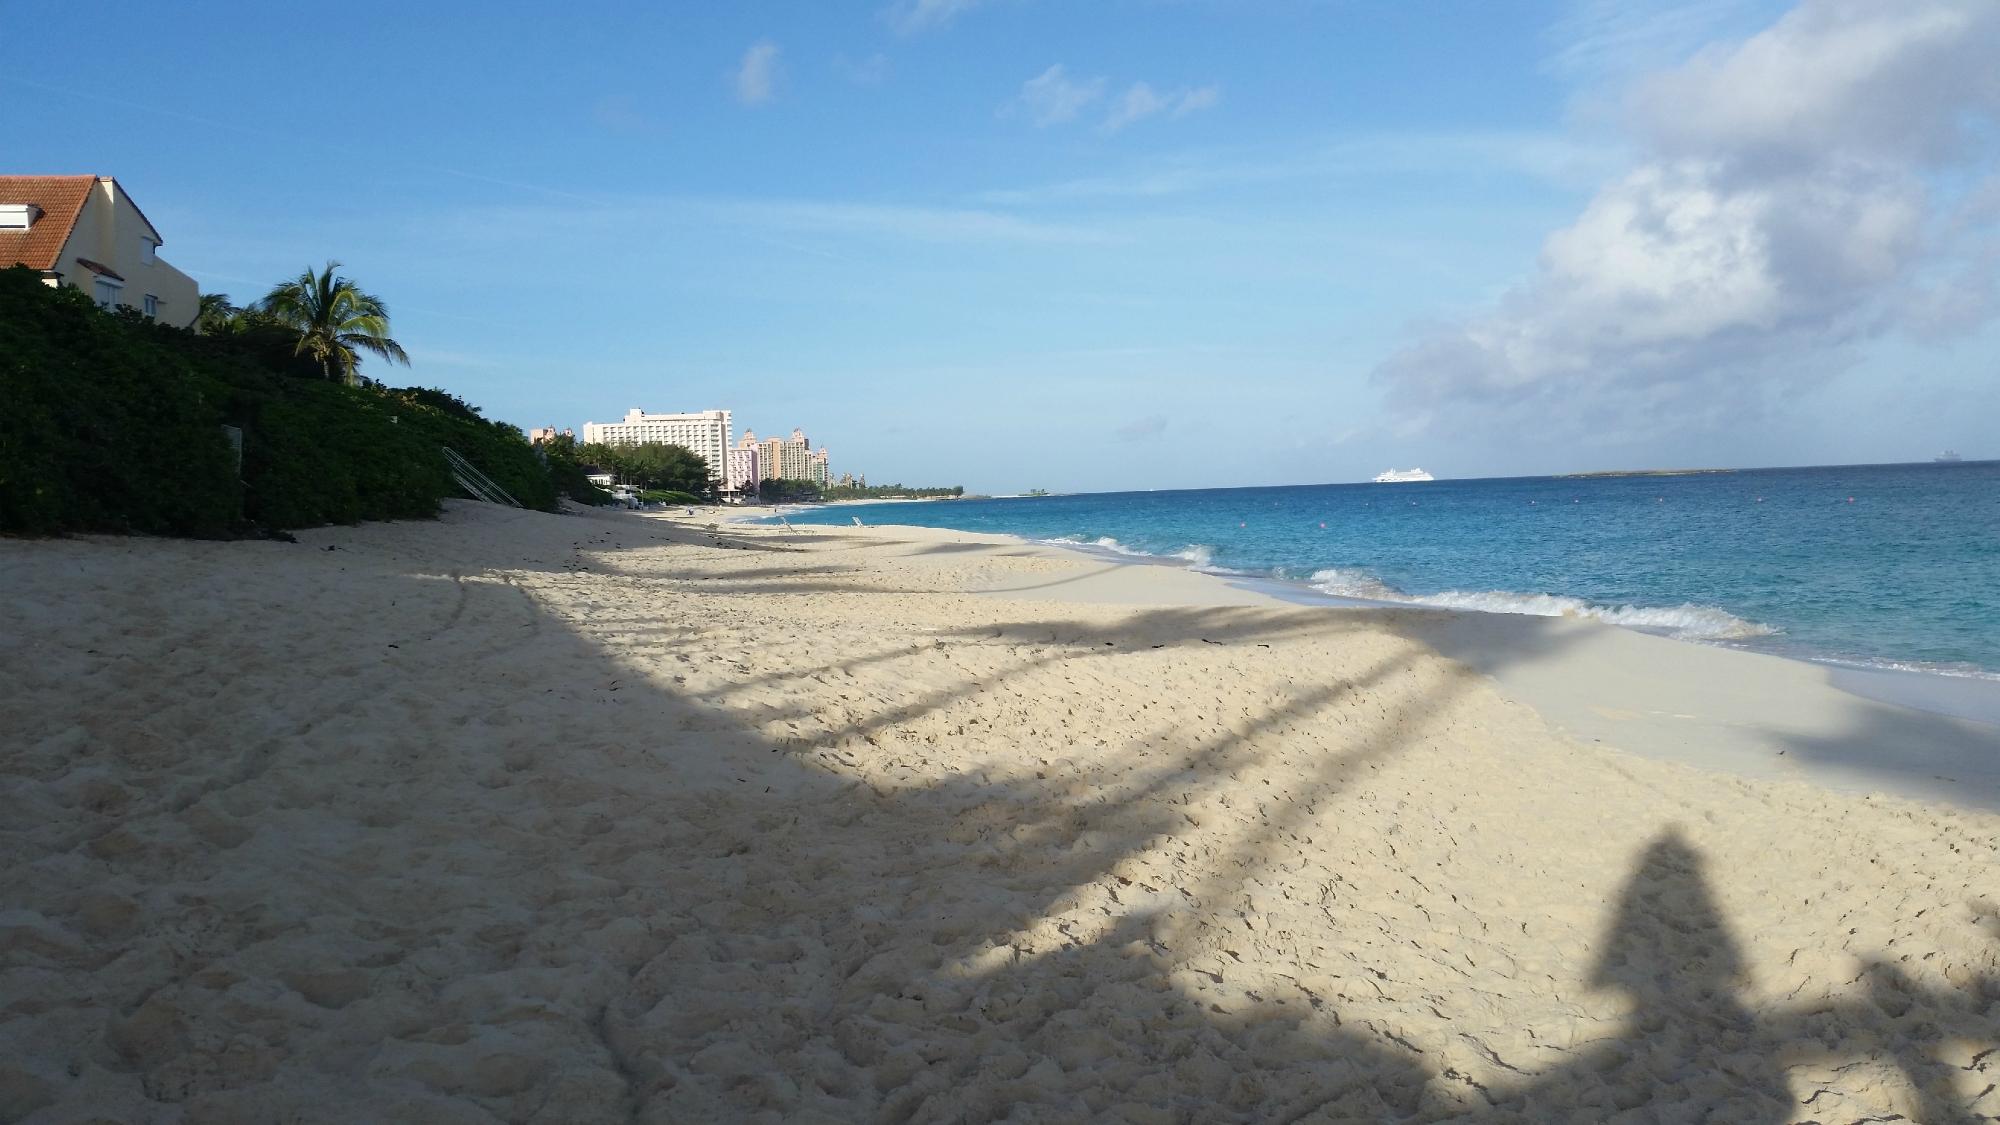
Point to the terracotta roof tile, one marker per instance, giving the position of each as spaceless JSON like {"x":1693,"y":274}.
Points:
{"x":61,"y":199}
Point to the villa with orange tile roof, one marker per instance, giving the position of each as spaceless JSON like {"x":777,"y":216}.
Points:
{"x":84,"y":232}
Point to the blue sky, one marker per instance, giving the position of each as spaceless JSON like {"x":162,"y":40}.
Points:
{"x":1102,"y":244}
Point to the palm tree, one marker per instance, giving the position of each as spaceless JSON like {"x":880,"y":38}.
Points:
{"x":333,"y":318}
{"x":217,"y":315}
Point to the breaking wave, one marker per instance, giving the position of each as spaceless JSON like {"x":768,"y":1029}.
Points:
{"x":1197,"y":555}
{"x":1686,"y":622}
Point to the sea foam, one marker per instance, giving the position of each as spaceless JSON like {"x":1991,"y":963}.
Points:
{"x":1198,"y":556}
{"x":1687,"y":622}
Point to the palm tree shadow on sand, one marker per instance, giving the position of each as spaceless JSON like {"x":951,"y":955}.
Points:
{"x":1092,"y":1024}
{"x":515,"y":923}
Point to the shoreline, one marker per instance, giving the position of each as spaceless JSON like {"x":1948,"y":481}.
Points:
{"x":1947,"y":727}
{"x":1969,"y":694}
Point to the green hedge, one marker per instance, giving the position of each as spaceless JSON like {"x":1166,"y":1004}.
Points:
{"x":99,"y":432}
{"x":112,"y":423}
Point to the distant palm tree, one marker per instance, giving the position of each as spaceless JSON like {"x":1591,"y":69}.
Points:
{"x":333,"y":318}
{"x":217,"y":315}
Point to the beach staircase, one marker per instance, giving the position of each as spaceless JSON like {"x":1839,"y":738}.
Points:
{"x":476,"y":484}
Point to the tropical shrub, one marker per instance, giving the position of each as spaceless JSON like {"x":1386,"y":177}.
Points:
{"x":100,"y":431}
{"x":653,"y":464}
{"x":114,"y":423}
{"x":566,"y":471}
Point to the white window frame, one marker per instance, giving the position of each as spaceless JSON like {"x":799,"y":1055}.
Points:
{"x":148,"y":251}
{"x":152,"y":305}
{"x":108,"y":292}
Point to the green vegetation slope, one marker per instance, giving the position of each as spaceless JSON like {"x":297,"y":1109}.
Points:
{"x":113,"y":423}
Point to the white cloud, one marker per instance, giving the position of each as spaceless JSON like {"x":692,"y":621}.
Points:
{"x":1141,"y":101}
{"x":1860,"y":78}
{"x":1598,"y":40}
{"x":1136,"y":104}
{"x":1198,"y":99}
{"x":1794,"y":198}
{"x":911,"y":16}
{"x":1053,"y":97}
{"x":757,"y":76}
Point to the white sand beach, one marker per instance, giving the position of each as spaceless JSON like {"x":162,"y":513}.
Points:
{"x":602,"y":817}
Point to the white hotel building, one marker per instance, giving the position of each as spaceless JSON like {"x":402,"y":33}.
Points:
{"x":706,"y":434}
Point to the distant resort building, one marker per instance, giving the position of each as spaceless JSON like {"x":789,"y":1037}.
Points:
{"x":84,"y":232}
{"x":792,"y":458}
{"x":705,"y":434}
{"x":782,"y":459}
{"x":542,"y":435}
{"x":737,"y":467}
{"x":743,"y":476}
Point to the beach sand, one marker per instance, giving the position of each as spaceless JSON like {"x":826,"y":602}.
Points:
{"x":602,"y":817}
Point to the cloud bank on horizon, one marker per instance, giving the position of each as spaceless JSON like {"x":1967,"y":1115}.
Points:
{"x":1827,"y":181}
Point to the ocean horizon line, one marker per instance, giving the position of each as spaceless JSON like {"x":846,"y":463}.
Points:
{"x":1812,"y":562}
{"x":1580,"y":474}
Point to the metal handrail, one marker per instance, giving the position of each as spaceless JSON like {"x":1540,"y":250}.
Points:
{"x":476,"y":484}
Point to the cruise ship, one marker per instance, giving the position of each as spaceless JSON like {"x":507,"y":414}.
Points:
{"x":1948,"y":457}
{"x":1400,"y":476}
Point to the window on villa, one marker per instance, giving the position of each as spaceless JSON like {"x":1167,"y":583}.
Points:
{"x":152,"y":303}
{"x":146,"y":249}
{"x":107,"y":294}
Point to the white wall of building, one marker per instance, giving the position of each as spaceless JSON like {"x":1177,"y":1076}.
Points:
{"x":706,"y":434}
{"x":111,"y":231}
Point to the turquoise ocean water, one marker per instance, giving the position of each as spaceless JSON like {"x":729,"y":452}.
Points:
{"x":1894,"y":566}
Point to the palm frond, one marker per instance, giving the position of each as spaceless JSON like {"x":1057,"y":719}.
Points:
{"x":333,"y":317}
{"x":379,"y":345}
